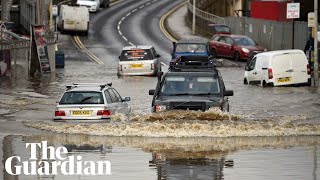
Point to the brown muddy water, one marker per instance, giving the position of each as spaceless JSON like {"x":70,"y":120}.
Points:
{"x":270,"y":133}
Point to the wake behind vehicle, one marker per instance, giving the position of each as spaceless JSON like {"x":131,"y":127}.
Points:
{"x":139,"y":60}
{"x":89,"y":101}
{"x":278,"y":68}
{"x":190,"y":85}
{"x":190,"y":47}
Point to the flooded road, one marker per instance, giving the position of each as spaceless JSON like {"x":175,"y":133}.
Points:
{"x":262,"y":137}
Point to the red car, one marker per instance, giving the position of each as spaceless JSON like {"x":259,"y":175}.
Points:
{"x":237,"y":47}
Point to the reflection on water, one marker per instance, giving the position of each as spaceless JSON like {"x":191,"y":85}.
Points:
{"x":183,"y":158}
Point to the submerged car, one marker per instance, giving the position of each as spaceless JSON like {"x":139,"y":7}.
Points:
{"x":87,"y":101}
{"x":219,"y":29}
{"x":238,"y":47}
{"x":190,"y":47}
{"x":139,"y":60}
{"x":190,"y":86}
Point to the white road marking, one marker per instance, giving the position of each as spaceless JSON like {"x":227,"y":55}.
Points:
{"x":163,"y":64}
{"x":119,"y":23}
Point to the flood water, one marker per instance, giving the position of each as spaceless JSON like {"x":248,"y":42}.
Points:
{"x":270,"y":133}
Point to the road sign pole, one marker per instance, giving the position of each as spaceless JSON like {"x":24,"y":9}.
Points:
{"x":316,"y":57}
{"x":194,"y":18}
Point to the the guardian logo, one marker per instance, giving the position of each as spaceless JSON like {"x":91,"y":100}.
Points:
{"x":52,"y":161}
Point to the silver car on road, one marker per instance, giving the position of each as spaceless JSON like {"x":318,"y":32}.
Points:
{"x":90,"y":102}
{"x":139,"y":60}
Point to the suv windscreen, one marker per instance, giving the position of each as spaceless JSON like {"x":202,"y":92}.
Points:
{"x":82,"y":97}
{"x":190,"y":85}
{"x":193,"y":48}
{"x":136,"y":55}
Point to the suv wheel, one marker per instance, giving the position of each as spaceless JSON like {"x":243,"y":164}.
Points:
{"x":213,"y":53}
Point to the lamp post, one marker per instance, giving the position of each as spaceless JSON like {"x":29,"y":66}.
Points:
{"x":316,"y":75}
{"x":194,"y":18}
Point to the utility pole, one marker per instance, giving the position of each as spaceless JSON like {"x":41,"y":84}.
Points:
{"x":194,"y":18}
{"x":316,"y":56}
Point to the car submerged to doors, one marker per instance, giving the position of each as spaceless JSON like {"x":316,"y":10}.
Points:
{"x":139,"y":60}
{"x":88,"y":101}
{"x":278,"y":68}
{"x":190,"y":87}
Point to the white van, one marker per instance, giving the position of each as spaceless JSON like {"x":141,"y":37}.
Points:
{"x":73,"y":19}
{"x":139,"y":60}
{"x":277,"y":68}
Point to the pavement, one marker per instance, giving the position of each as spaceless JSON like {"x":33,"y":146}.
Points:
{"x":177,"y":26}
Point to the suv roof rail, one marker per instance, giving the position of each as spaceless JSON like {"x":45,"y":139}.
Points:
{"x":73,"y":85}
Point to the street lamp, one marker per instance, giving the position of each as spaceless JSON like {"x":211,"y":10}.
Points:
{"x":194,"y":18}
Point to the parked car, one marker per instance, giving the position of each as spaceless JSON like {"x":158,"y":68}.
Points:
{"x":190,"y":86}
{"x":277,"y":68}
{"x":104,"y":3}
{"x":139,"y":60}
{"x":92,"y":5}
{"x":88,"y":101}
{"x":238,"y":47}
{"x":190,"y":47}
{"x":73,"y":19}
{"x":219,"y":29}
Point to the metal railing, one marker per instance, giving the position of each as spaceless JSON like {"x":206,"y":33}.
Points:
{"x":205,"y":15}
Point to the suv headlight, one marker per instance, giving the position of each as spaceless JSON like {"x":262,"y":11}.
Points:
{"x":245,"y":50}
{"x":160,"y":108}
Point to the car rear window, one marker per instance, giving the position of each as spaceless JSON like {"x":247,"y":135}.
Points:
{"x":193,"y":48}
{"x":245,"y":41}
{"x":136,"y":55}
{"x":82,"y":97}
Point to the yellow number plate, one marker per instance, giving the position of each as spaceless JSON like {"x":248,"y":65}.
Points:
{"x":69,"y":22}
{"x":81,"y":113}
{"x":135,"y":65}
{"x":286,"y":79}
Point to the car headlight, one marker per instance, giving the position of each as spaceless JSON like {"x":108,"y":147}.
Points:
{"x":245,"y":50}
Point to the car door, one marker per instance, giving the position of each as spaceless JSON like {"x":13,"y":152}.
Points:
{"x":122,"y":107}
{"x":252,"y":72}
{"x":112,"y":106}
{"x":227,"y":47}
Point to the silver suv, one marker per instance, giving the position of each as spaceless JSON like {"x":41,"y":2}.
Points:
{"x":88,"y":101}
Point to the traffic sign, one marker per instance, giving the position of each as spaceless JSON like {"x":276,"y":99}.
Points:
{"x":293,"y":10}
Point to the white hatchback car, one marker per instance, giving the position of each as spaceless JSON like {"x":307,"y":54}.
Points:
{"x":139,"y":60}
{"x":92,"y":5}
{"x":90,"y":102}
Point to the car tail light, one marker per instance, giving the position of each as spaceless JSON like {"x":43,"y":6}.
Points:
{"x":103,"y":113}
{"x":120,"y":67}
{"x":152,"y":66}
{"x":270,"y":74}
{"x":308,"y":69}
{"x":59,"y":113}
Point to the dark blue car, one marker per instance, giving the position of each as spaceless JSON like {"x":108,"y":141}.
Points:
{"x":190,"y":47}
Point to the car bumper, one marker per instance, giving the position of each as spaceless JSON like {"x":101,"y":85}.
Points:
{"x":60,"y":118}
{"x":146,"y":73}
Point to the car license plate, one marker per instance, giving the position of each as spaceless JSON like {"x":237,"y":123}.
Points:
{"x":286,"y":79}
{"x":81,"y":113}
{"x":69,"y":22}
{"x":135,"y":66}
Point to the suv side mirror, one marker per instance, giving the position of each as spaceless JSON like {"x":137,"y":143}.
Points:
{"x":151,"y":92}
{"x":158,"y":55}
{"x":247,"y":68}
{"x":119,"y":57}
{"x":228,"y":93}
